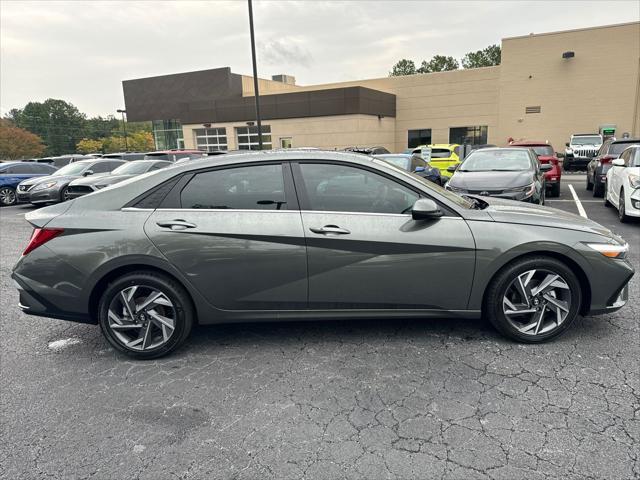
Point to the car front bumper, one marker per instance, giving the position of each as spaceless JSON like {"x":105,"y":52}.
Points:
{"x":47,"y":195}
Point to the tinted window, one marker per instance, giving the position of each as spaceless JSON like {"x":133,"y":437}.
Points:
{"x":42,"y":168}
{"x":103,"y":167}
{"x":440,"y":153}
{"x":256,"y":187}
{"x":419,"y":137}
{"x":18,"y":169}
{"x":545,"y":150}
{"x":476,"y":135}
{"x":416,"y":162}
{"x":618,"y":148}
{"x":636,"y":158}
{"x":338,"y":188}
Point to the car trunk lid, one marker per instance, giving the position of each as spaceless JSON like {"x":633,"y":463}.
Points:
{"x":41,"y":217}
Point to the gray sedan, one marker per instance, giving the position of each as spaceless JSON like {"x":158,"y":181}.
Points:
{"x":307,"y":235}
{"x":54,"y":188}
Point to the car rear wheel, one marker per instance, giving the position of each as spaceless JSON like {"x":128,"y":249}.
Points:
{"x":145,"y":314}
{"x":589,"y":182}
{"x":598,"y":188}
{"x":7,"y":196}
{"x":555,"y":190}
{"x":533,"y":300}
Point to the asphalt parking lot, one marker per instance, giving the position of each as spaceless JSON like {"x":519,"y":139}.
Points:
{"x":360,"y":399}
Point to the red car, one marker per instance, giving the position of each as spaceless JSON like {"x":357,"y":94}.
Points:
{"x":546,"y":154}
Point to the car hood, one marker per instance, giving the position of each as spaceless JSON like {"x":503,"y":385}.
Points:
{"x":508,"y":211}
{"x":99,"y":178}
{"x":490,"y":180}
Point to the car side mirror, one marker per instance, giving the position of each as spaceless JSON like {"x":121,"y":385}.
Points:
{"x":419,"y":169}
{"x":545,"y":167}
{"x":617,"y":162}
{"x":87,"y":173}
{"x":425,"y":209}
{"x":453,"y":168}
{"x":567,"y":144}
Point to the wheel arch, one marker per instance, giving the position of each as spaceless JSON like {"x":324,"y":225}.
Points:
{"x":576,"y":268}
{"x":108,"y":273}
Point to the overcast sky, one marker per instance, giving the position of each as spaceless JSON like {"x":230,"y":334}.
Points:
{"x":80,"y":51}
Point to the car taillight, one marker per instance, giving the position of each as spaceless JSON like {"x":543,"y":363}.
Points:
{"x":606,"y":159}
{"x":41,"y":236}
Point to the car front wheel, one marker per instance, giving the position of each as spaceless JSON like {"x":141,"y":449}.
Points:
{"x":7,"y":196}
{"x":145,"y":314}
{"x":622,"y":214}
{"x":533,"y":299}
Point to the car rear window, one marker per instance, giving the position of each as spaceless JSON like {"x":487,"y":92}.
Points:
{"x":440,"y":153}
{"x":618,"y":148}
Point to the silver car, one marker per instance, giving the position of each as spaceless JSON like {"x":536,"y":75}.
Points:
{"x":308,"y":235}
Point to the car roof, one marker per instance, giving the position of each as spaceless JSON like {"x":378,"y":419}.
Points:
{"x":529,"y":143}
{"x":627,"y":140}
{"x":450,"y":146}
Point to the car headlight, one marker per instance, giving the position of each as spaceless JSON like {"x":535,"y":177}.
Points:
{"x":569,"y":150}
{"x":634,"y":180}
{"x":610,"y":250}
{"x":527,"y":189}
{"x":44,"y":186}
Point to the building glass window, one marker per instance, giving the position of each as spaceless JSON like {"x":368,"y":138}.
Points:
{"x":419,"y":137}
{"x":473,"y":135}
{"x":211,"y":139}
{"x":167,"y":134}
{"x":248,"y":137}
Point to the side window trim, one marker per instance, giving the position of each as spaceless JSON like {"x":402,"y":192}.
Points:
{"x":305,"y":205}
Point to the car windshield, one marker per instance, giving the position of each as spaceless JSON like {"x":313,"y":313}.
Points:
{"x":400,"y":161}
{"x":458,"y":200}
{"x":543,"y":150}
{"x":591,"y":140}
{"x":618,"y":148}
{"x":71,"y":169}
{"x":440,"y":153}
{"x":496,"y":160}
{"x":131,"y":168}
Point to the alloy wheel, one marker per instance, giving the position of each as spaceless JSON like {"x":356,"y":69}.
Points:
{"x":142,"y":318}
{"x":537,"y":302}
{"x":66,"y":195}
{"x":7,"y":196}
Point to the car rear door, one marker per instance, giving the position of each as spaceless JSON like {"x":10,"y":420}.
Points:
{"x":366,"y":252}
{"x":236,"y":234}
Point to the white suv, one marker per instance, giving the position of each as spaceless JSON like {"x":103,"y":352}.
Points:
{"x":580,"y":150}
{"x":622,"y":189}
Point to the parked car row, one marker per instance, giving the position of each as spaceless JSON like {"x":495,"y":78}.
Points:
{"x":56,"y":179}
{"x":622,"y":183}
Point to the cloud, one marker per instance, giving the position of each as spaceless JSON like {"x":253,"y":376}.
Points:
{"x":285,"y":51}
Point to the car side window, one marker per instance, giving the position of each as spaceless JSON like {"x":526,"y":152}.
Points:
{"x":417,"y":162}
{"x":340,"y":188}
{"x":19,"y":169}
{"x":626,"y":156}
{"x":101,"y":167}
{"x":259,"y":187}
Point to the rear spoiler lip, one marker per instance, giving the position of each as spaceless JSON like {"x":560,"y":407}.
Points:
{"x":43,"y":216}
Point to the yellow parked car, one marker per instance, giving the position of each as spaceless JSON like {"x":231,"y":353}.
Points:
{"x":443,"y":155}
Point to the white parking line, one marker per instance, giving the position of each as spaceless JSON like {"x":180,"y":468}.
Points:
{"x":578,"y":202}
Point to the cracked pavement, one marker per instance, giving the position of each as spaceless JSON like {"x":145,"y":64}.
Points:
{"x":447,"y":399}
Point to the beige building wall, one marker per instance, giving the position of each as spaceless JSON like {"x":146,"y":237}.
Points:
{"x":600,"y":85}
{"x":323,"y":132}
{"x":577,"y":95}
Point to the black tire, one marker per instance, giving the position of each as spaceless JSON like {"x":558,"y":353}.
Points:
{"x":8,"y":196}
{"x":622,"y":215}
{"x":184,"y":311}
{"x":606,"y":200}
{"x":598,"y":188}
{"x":497,"y":289}
{"x":63,"y":194}
{"x":555,"y":190}
{"x":589,"y":182}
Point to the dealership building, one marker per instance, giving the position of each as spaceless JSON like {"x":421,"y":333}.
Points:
{"x":547,"y":87}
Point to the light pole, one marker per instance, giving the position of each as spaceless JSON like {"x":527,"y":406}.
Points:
{"x":255,"y":75}
{"x":124,"y":129}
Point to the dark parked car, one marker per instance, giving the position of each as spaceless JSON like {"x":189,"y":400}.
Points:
{"x":85,"y":185}
{"x":308,"y":235}
{"x":12,"y":173}
{"x":367,"y":150}
{"x":512,"y":173}
{"x":546,"y":155}
{"x":54,"y":188}
{"x":413,"y":164}
{"x":600,"y":164}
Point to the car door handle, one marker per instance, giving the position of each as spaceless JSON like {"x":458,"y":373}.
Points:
{"x":177,"y":224}
{"x":330,"y":230}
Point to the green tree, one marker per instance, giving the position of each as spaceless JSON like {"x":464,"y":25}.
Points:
{"x":487,"y":57}
{"x":439,"y":63}
{"x":403,"y":67}
{"x":140,"y":142}
{"x":60,"y":124}
{"x":99,"y":127}
{"x":17,"y":143}
{"x":89,"y":145}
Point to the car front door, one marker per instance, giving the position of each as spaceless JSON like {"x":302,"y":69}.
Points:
{"x":365,"y":250}
{"x":617,"y":174}
{"x":236,"y":234}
